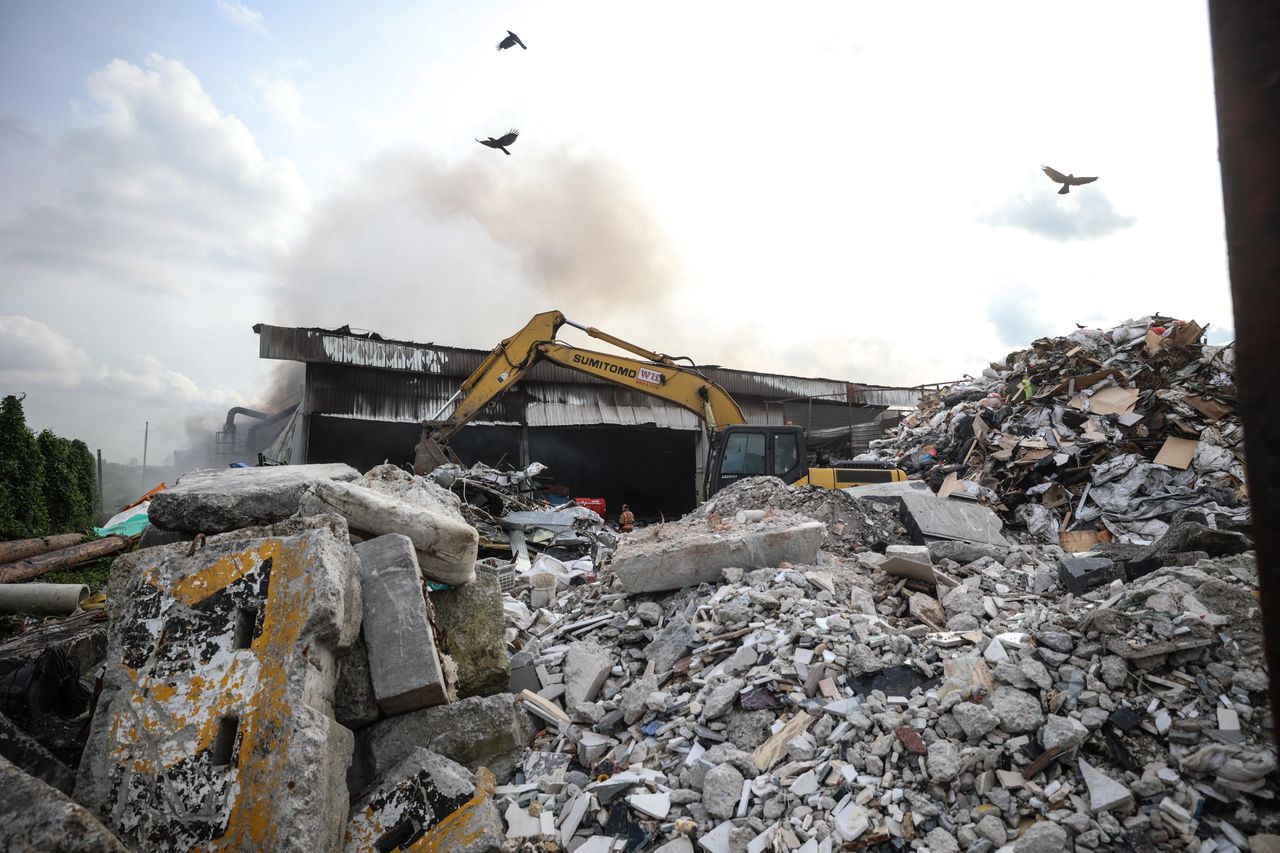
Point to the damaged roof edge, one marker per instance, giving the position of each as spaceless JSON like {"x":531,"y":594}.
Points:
{"x":342,"y":346}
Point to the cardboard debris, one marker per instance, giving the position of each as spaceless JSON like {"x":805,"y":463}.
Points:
{"x":1076,"y":541}
{"x":1107,"y":401}
{"x":1177,"y":453}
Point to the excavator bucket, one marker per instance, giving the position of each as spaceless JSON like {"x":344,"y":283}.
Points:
{"x":430,"y":455}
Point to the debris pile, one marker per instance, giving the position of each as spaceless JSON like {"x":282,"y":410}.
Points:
{"x":322,"y":660}
{"x":515,"y":521}
{"x":1099,"y":435}
{"x":259,"y":679}
{"x":954,"y":695}
{"x":853,"y":524}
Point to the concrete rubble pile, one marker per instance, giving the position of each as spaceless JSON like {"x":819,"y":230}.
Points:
{"x":319,"y":675}
{"x":784,"y":670}
{"x":954,"y":696}
{"x":1095,"y":436}
{"x":853,"y":524}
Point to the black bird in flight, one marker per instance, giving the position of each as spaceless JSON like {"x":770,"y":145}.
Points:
{"x":502,"y":141}
{"x":1067,"y":181}
{"x":511,"y":41}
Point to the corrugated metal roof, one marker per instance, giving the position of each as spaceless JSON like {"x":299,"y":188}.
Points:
{"x":320,"y":346}
{"x":909,"y":397}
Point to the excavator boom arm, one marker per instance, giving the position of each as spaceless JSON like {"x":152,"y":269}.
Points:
{"x":660,"y":377}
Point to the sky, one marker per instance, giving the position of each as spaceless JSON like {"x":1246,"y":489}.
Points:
{"x":846,"y":190}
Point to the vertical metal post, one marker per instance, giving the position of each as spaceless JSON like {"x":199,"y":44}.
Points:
{"x":1246,"y":67}
{"x":102,"y":506}
{"x":303,"y":440}
{"x":848,"y":401}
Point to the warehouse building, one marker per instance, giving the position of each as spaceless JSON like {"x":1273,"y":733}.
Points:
{"x":363,"y":399}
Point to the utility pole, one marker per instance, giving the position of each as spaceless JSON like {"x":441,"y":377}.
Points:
{"x":146,"y":433}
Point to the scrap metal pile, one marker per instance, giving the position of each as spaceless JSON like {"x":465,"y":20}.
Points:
{"x":511,"y":515}
{"x":1097,"y":435}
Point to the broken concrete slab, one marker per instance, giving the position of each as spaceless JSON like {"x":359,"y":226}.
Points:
{"x":679,"y":554}
{"x":1105,"y":793}
{"x":586,"y":667}
{"x":472,"y":633}
{"x":670,"y":644}
{"x":214,"y":722}
{"x":427,"y":802}
{"x":482,"y":731}
{"x":215,"y":501}
{"x":1081,"y":574}
{"x":32,"y":758}
{"x":930,"y":518}
{"x":447,"y":547}
{"x":404,"y":663}
{"x":354,"y":703}
{"x":965,"y":552}
{"x":36,"y":816}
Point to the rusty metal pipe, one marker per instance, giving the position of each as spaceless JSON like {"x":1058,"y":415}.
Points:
{"x":1246,"y":68}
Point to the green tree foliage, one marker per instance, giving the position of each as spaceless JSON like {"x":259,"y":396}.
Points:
{"x":22,"y":500}
{"x":46,"y":482}
{"x":62,"y":502}
{"x":85,"y":472}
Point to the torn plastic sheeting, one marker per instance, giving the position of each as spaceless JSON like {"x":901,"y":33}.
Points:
{"x":564,"y":573}
{"x":1041,"y":522}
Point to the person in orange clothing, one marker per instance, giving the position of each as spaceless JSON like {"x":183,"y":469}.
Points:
{"x":626,"y":521}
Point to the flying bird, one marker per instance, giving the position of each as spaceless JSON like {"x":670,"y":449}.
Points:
{"x":502,"y":141}
{"x":511,"y":41}
{"x":1067,"y":181}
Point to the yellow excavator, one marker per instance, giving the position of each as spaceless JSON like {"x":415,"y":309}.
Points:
{"x":738,"y":449}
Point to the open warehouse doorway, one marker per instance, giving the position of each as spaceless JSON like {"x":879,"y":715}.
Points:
{"x":653,"y":470}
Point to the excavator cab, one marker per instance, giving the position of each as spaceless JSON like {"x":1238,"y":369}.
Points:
{"x":780,"y":451}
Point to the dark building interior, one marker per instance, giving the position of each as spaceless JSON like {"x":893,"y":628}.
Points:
{"x":650,"y":469}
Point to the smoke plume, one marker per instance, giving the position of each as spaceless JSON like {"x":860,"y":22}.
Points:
{"x":465,"y":253}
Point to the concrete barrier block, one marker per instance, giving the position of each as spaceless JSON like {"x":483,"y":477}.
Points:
{"x":447,"y":547}
{"x":427,"y":802}
{"x":225,"y":499}
{"x":473,"y":632}
{"x":404,"y":663}
{"x":354,"y":704}
{"x":680,"y":554}
{"x":214,"y":726}
{"x":35,"y":816}
{"x":483,"y":731}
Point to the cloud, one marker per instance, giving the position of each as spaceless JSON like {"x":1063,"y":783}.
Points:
{"x":284,"y":100}
{"x":1013,"y":313}
{"x":242,"y":16}
{"x":32,"y":356}
{"x":1220,"y":335}
{"x":35,"y":356}
{"x":160,"y":180}
{"x":1085,"y":214}
{"x":134,"y":256}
